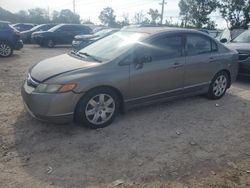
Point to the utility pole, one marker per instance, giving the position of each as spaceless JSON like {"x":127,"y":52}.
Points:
{"x":74,"y":6}
{"x":162,"y":9}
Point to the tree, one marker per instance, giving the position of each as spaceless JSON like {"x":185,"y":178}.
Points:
{"x":86,"y":21}
{"x":38,"y":15}
{"x":155,"y":15}
{"x":235,"y":12}
{"x":23,"y":15}
{"x":107,"y":17}
{"x":196,"y":12}
{"x":140,"y":18}
{"x":65,"y":16}
{"x":125,"y":20}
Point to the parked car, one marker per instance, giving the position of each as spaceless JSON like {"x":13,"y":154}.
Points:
{"x":9,"y":39}
{"x":131,"y":67}
{"x":60,"y":34}
{"x":81,"y":41}
{"x":26,"y":35}
{"x":242,"y":45}
{"x":227,"y":35}
{"x":23,"y":26}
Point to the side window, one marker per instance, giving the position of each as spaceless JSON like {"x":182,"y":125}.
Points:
{"x":162,"y":48}
{"x":84,"y":29}
{"x":197,"y":44}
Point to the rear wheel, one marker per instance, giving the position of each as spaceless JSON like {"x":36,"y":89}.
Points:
{"x":5,"y":49}
{"x":98,"y":108}
{"x":219,"y":85}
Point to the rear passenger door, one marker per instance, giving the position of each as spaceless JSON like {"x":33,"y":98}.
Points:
{"x":202,"y":60}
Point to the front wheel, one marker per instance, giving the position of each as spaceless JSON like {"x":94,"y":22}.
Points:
{"x":98,"y":108}
{"x":5,"y":50}
{"x":218,"y":86}
{"x":50,"y":43}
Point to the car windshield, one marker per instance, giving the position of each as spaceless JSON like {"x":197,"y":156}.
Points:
{"x":55,"y":28}
{"x":112,"y":46}
{"x":243,"y":37}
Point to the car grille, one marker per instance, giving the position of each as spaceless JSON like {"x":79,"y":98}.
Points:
{"x":32,"y":82}
{"x":243,"y":56}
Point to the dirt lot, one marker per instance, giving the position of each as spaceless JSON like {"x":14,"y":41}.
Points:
{"x":189,"y":143}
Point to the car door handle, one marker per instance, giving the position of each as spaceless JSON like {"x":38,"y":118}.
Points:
{"x":138,"y":66}
{"x":177,"y":65}
{"x":212,"y":59}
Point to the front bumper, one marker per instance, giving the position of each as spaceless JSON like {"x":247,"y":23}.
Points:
{"x":55,"y":108}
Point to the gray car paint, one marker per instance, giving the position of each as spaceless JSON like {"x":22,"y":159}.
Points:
{"x":153,"y":81}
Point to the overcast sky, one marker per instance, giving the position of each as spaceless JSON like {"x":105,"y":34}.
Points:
{"x":92,"y":8}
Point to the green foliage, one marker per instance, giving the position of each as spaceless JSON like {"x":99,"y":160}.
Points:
{"x":107,"y":17}
{"x":155,"y":15}
{"x":39,"y":16}
{"x":65,"y":16}
{"x":196,"y":12}
{"x":235,"y":12}
{"x":140,"y":18}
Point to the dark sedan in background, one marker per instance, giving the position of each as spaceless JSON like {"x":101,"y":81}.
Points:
{"x":81,"y":41}
{"x":60,"y":34}
{"x":23,"y":26}
{"x":26,"y":35}
{"x":242,"y":45}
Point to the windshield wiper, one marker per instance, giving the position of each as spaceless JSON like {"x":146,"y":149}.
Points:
{"x":91,"y":56}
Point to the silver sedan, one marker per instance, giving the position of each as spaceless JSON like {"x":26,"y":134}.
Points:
{"x":129,"y":68}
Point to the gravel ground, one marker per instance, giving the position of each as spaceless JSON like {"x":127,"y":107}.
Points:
{"x":188,"y":143}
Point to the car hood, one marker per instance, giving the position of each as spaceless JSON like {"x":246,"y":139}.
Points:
{"x":52,"y":67}
{"x":85,"y":37}
{"x":239,"y":46}
{"x":41,"y":32}
{"x":25,"y":32}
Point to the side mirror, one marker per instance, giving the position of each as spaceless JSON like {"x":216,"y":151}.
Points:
{"x":143,"y":59}
{"x":224,"y":40}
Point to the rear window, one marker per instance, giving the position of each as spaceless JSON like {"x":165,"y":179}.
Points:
{"x":198,"y":44}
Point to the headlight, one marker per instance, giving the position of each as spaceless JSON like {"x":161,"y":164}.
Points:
{"x":54,"y":88}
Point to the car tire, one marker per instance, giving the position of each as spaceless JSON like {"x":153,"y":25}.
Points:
{"x":98,"y":108}
{"x":50,"y":43}
{"x":5,"y":49}
{"x":218,"y":86}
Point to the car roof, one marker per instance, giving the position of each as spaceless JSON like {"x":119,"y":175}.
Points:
{"x":4,"y":22}
{"x":155,"y":30}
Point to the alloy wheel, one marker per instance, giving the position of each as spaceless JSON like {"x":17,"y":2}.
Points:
{"x":220,"y":85}
{"x":50,"y":43}
{"x":100,"y":109}
{"x":5,"y":50}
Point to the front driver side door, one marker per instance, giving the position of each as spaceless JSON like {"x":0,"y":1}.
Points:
{"x":164,"y":74}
